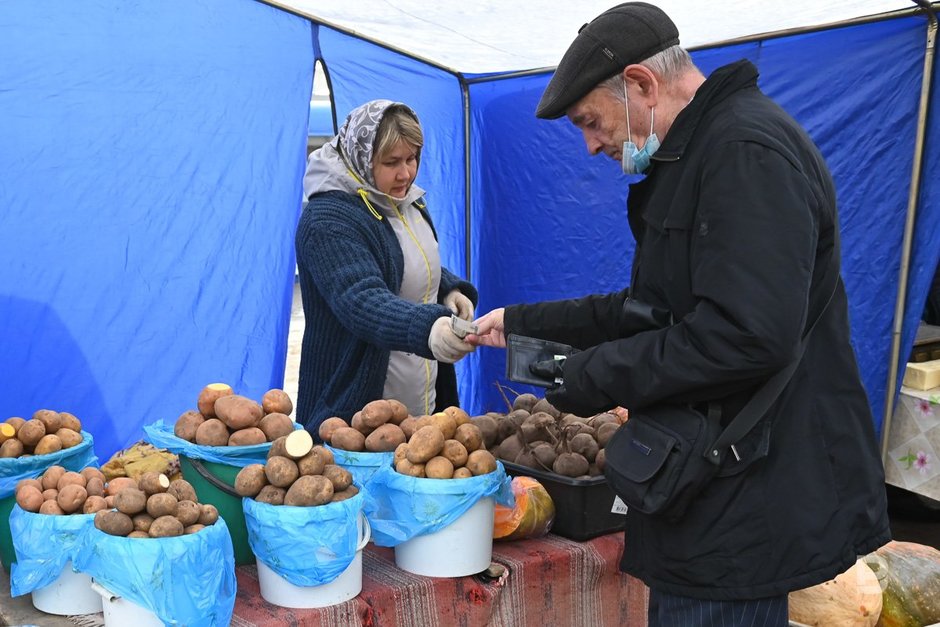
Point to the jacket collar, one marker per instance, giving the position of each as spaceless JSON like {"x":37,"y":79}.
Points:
{"x":723,"y":82}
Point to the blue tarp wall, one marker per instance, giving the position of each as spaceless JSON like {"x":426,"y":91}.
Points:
{"x":152,"y":159}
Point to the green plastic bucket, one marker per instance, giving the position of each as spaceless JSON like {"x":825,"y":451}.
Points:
{"x":7,"y":554}
{"x":214,"y":484}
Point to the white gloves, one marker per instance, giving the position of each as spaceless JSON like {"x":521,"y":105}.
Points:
{"x":444,"y":345}
{"x":459,"y":304}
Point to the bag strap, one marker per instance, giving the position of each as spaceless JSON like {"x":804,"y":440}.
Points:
{"x":763,"y":398}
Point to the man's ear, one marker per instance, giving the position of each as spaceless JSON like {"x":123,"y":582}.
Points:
{"x":642,"y":84}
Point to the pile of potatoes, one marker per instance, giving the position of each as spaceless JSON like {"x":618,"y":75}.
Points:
{"x":296,"y":473}
{"x":47,"y":431}
{"x":536,"y":435}
{"x":442,"y":448}
{"x":149,"y":507}
{"x":223,"y":418}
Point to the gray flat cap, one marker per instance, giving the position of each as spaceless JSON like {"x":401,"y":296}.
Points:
{"x":628,"y":33}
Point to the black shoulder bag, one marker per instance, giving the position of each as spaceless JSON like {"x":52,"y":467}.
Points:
{"x":662,"y":457}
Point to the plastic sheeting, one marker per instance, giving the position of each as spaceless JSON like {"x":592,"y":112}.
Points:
{"x":152,"y":157}
{"x":44,"y":544}
{"x":400,"y":507}
{"x":74,"y":458}
{"x":361,"y":465}
{"x":307,"y":546}
{"x":187,"y":580}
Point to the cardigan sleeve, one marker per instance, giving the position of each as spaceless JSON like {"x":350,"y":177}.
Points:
{"x":450,"y":282}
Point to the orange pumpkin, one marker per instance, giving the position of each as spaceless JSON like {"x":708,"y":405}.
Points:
{"x":532,"y":515}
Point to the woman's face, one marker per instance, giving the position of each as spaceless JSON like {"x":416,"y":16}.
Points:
{"x":395,"y":171}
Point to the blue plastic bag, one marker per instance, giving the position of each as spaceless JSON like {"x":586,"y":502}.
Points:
{"x":44,"y":544}
{"x":400,"y":507}
{"x":363,"y":465}
{"x":188,"y":580}
{"x":13,"y":469}
{"x":307,"y":546}
{"x":161,"y":435}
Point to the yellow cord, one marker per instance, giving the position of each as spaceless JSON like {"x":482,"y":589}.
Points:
{"x":364,"y":195}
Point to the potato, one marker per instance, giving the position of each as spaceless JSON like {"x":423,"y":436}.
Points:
{"x":481,"y":462}
{"x":422,"y":421}
{"x":426,"y":443}
{"x":294,"y":445}
{"x":212,"y":432}
{"x":36,"y":483}
{"x":187,"y":424}
{"x":16,"y":422}
{"x":460,"y":416}
{"x":272,"y":495}
{"x":205,"y":402}
{"x":71,"y":498}
{"x":94,"y":487}
{"x":153,"y":482}
{"x":247,"y":437}
{"x":117,"y":484}
{"x":50,"y":494}
{"x":325,"y":453}
{"x":51,"y":507}
{"x":142,"y":522}
{"x":47,"y":445}
{"x":182,"y":490}
{"x":342,"y":495}
{"x":49,"y":418}
{"x":70,"y":421}
{"x":31,"y":432}
{"x":455,"y":452}
{"x":400,"y":451}
{"x":470,"y":436}
{"x":281,"y":471}
{"x":68,"y":437}
{"x":439,"y":468}
{"x":191,"y":529}
{"x":277,"y":402}
{"x":312,"y":463}
{"x":348,"y":439}
{"x":385,"y":438}
{"x":328,"y":426}
{"x":356,"y":423}
{"x":338,"y":476}
{"x":11,"y":448}
{"x":90,"y":472}
{"x":377,"y":413}
{"x":131,"y":501}
{"x":208,"y":514}
{"x":113,"y":522}
{"x":7,"y":432}
{"x":405,"y":467}
{"x":462,"y":473}
{"x":308,"y":491}
{"x":94,"y":503}
{"x":276,"y":424}
{"x":238,"y":412}
{"x":50,"y":478}
{"x":250,"y":480}
{"x":166,"y":527}
{"x":138,"y":534}
{"x":187,"y":512}
{"x":69,"y":478}
{"x":399,"y":411}
{"x":408,"y":426}
{"x":29,"y":498}
{"x":160,"y":504}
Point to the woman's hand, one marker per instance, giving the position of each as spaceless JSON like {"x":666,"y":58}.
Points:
{"x":445,"y":345}
{"x":459,"y":304}
{"x":490,"y":329}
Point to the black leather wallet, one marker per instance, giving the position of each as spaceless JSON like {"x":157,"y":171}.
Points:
{"x":522,"y":351}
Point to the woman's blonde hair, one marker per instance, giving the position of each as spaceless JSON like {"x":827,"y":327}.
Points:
{"x":398,"y":124}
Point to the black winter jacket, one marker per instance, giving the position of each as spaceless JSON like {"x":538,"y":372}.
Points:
{"x":737,"y":237}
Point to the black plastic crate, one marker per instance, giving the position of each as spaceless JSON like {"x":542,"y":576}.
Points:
{"x":582,"y":506}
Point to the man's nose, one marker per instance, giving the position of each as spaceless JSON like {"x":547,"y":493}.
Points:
{"x":594,"y":146}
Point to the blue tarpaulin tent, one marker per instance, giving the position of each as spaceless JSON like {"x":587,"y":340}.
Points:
{"x":153,"y":154}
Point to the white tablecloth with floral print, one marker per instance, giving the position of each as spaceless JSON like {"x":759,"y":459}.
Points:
{"x":913,"y":461}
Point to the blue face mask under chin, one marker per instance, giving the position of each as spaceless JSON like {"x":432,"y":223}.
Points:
{"x":635,"y":160}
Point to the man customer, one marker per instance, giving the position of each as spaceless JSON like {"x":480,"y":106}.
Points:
{"x":734,"y":214}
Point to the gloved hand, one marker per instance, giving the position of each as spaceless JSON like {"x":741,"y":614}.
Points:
{"x":550,"y":369}
{"x":459,"y":304}
{"x":444,"y":344}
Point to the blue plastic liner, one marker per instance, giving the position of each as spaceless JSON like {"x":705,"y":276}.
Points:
{"x":161,"y":435}
{"x":363,"y":465}
{"x":188,"y":580}
{"x":12,"y":470}
{"x":307,"y":546}
{"x":44,"y":543}
{"x":400,"y":507}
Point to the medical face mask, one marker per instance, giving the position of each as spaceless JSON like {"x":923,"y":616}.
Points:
{"x":635,"y":160}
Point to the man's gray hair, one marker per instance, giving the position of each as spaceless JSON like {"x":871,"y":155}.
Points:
{"x":667,"y":65}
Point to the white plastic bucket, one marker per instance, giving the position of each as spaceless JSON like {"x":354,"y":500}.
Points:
{"x":464,"y":547}
{"x":120,"y":612}
{"x":278,"y":591}
{"x":70,"y":594}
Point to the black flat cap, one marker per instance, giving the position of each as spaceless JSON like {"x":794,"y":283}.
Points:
{"x":628,"y":33}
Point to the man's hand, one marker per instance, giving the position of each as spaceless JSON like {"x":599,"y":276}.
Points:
{"x":491,"y":330}
{"x":459,"y":304}
{"x":551,"y":370}
{"x":444,"y":344}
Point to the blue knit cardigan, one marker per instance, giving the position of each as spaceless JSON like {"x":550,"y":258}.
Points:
{"x":350,"y":266}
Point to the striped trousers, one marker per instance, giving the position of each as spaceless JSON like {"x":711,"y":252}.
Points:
{"x":669,"y":610}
